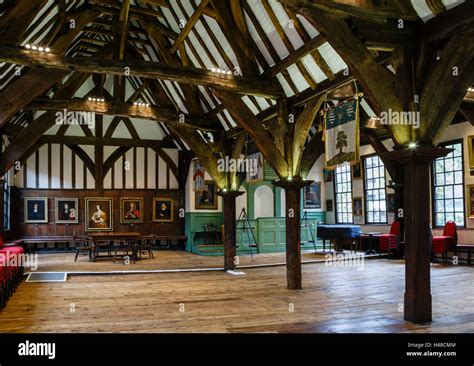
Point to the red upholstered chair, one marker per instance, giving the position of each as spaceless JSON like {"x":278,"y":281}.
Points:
{"x":10,"y":276}
{"x":389,"y":242}
{"x":447,"y":242}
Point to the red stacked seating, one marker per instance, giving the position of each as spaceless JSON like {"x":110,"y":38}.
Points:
{"x":11,"y":270}
{"x":447,"y":242}
{"x":389,"y":242}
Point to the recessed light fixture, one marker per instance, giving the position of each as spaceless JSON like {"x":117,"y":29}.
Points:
{"x":412,"y":145}
{"x":37,"y":48}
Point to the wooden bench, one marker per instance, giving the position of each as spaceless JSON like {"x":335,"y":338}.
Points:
{"x":466,"y":248}
{"x":30,"y":243}
{"x":181,"y":239}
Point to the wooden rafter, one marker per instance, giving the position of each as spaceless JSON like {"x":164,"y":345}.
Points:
{"x":378,"y":82}
{"x":189,"y":25}
{"x":231,"y":25}
{"x":366,"y":9}
{"x":293,"y":57}
{"x":302,"y":127}
{"x":455,"y":71}
{"x":247,"y":120}
{"x":120,"y":109}
{"x":29,"y":135}
{"x":436,"y":6}
{"x":37,"y":80}
{"x":124,"y":23}
{"x":144,"y":69}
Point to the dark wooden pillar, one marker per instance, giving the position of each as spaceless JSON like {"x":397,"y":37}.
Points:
{"x":293,"y":229}
{"x":230,"y":235}
{"x":417,"y":197}
{"x":2,"y":187}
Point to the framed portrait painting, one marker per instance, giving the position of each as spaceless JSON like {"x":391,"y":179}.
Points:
{"x":36,"y":210}
{"x":66,"y":211}
{"x":470,"y":198}
{"x":312,"y":195}
{"x":470,"y":147}
{"x":390,"y":202}
{"x":163,"y":210}
{"x":329,"y":205}
{"x":357,"y":209}
{"x":207,"y":198}
{"x":131,"y":210}
{"x":328,"y":175}
{"x":99,"y":214}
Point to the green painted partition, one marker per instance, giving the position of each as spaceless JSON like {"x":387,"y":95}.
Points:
{"x":195,"y":222}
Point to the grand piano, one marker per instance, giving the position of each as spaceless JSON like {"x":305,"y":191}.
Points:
{"x":339,"y":235}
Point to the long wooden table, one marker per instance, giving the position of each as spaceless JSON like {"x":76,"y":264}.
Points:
{"x":109,"y":237}
{"x":115,"y":235}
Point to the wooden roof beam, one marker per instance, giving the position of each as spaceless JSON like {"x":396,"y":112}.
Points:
{"x":144,"y":69}
{"x":446,"y":23}
{"x":36,"y":81}
{"x":118,"y":109}
{"x":298,"y":54}
{"x":190,"y":25}
{"x":103,"y":141}
{"x":124,"y":23}
{"x":366,"y":9}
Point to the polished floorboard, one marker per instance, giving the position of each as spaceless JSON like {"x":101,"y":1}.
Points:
{"x":333,"y":299}
{"x":164,"y":260}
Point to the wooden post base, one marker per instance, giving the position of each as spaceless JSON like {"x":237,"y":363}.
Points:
{"x":293,"y":229}
{"x":417,"y":162}
{"x":230,"y":237}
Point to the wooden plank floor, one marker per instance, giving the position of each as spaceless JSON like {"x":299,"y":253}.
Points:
{"x":338,"y":299}
{"x":163,"y":260}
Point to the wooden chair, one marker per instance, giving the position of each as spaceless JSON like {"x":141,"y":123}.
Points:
{"x":446,"y":242}
{"x":389,"y":242}
{"x":84,"y":246}
{"x":146,"y":246}
{"x":124,"y":249}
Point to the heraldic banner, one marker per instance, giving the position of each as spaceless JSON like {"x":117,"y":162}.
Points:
{"x":342,"y":134}
{"x":198,"y":176}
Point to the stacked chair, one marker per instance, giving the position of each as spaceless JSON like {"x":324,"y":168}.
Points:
{"x":10,"y":275}
{"x":390,"y":242}
{"x":447,"y":242}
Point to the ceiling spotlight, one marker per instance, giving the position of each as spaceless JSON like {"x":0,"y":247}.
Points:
{"x":47,"y":49}
{"x":224,"y":190}
{"x":89,"y":99}
{"x":470,"y":90}
{"x":290,"y":178}
{"x":148,"y":104}
{"x":27,"y":46}
{"x":213,"y":69}
{"x":41,"y":49}
{"x":412,"y":145}
{"x":34,"y":48}
{"x":229,"y":72}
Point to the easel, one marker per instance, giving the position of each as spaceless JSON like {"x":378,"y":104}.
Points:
{"x":247,"y":228}
{"x":306,"y":223}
